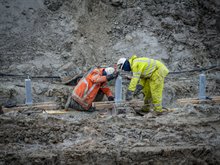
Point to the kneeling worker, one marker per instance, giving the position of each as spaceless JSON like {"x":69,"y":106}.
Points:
{"x":148,"y":75}
{"x":89,"y":86}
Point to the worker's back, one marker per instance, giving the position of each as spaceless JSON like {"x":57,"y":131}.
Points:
{"x":87,"y":88}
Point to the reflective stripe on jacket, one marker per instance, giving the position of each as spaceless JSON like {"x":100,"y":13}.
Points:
{"x":142,"y":67}
{"x":87,"y":88}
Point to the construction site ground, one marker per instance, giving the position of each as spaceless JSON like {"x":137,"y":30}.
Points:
{"x":55,"y":42}
{"x":190,"y":134}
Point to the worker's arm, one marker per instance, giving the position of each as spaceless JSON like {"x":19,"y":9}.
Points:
{"x":106,"y":90}
{"x":135,"y":78}
{"x":97,"y":78}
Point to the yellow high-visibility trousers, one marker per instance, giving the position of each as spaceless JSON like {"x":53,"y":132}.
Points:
{"x":153,"y":89}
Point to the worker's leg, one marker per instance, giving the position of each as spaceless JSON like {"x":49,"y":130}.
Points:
{"x":147,"y":95}
{"x":100,"y":95}
{"x":72,"y":104}
{"x":156,"y":87}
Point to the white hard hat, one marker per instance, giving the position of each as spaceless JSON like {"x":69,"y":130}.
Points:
{"x":121,"y":62}
{"x":109,"y":70}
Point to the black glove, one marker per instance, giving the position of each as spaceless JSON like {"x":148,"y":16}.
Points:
{"x":116,"y":74}
{"x":129,"y":95}
{"x":138,"y":89}
{"x":112,"y":76}
{"x":111,"y":98}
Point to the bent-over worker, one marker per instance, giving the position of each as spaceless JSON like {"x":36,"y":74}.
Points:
{"x":89,"y":86}
{"x":148,"y":76}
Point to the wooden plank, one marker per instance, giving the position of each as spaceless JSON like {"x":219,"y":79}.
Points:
{"x":46,"y":106}
{"x":112,"y":104}
{"x":41,"y":103}
{"x":214,"y":100}
{"x":197,"y":101}
{"x":58,"y":112}
{"x":213,"y":97}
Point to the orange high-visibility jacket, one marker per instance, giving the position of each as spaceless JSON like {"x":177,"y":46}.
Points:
{"x":87,"y":88}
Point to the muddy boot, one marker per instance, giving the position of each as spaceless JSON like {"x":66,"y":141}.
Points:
{"x":146,"y":107}
{"x":159,"y":113}
{"x":145,"y":110}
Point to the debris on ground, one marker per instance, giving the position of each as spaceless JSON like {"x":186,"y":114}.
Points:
{"x":188,"y":135}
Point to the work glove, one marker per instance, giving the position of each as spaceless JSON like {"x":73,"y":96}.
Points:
{"x":128,"y":95}
{"x":111,"y":98}
{"x":112,"y":76}
{"x":138,"y":89}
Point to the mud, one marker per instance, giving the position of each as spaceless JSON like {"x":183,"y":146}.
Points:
{"x":189,"y":135}
{"x":64,"y":38}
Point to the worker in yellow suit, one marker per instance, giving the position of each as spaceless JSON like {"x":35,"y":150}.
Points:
{"x":148,"y":76}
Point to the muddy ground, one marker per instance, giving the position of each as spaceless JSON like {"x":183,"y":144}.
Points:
{"x":189,"y":135}
{"x":63,"y":38}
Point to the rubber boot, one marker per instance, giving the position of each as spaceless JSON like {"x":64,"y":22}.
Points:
{"x":146,"y":107}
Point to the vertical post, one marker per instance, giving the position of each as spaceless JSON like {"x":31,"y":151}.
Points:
{"x":118,"y":89}
{"x":118,"y":92}
{"x":28,"y":94}
{"x":202,"y":86}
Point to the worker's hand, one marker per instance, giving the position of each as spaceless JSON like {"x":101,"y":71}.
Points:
{"x":138,"y":89}
{"x":116,"y":74}
{"x":128,"y":77}
{"x":111,"y":98}
{"x":112,"y":76}
{"x":128,"y":95}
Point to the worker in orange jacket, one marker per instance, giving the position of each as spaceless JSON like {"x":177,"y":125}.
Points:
{"x":89,"y":86}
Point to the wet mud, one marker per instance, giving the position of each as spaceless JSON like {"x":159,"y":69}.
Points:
{"x":189,"y":135}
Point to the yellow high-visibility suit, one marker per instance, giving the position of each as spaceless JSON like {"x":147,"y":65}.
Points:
{"x":150,"y":74}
